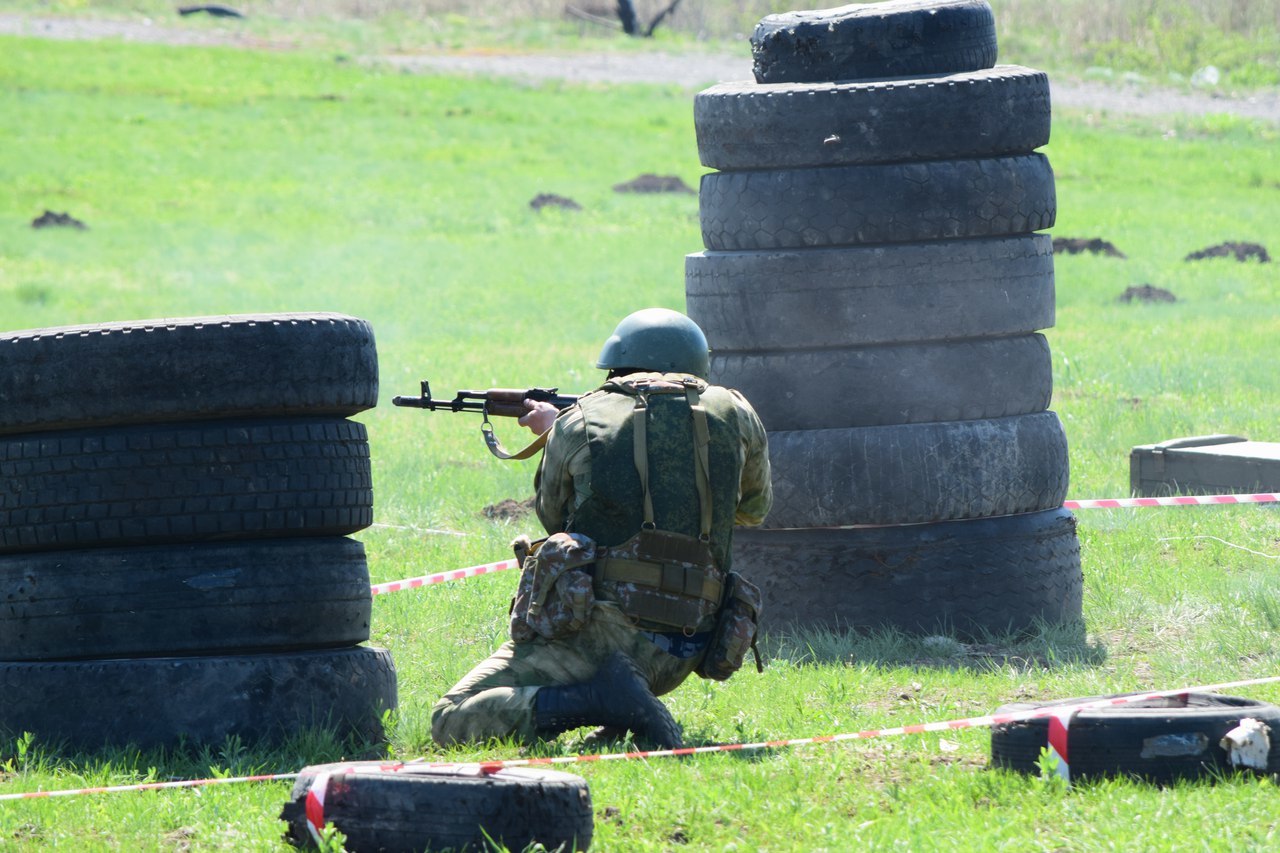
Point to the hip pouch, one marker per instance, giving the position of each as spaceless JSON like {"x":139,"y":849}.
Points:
{"x":554,"y":597}
{"x":735,"y":630}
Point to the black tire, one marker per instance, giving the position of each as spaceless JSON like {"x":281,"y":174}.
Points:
{"x":381,"y":806}
{"x":1159,"y":740}
{"x":884,"y":203}
{"x":917,"y":473}
{"x":943,"y":290}
{"x":153,"y":702}
{"x":184,"y":482}
{"x":258,"y":365}
{"x":269,"y":595}
{"x":987,"y":113}
{"x":892,"y":384}
{"x":892,"y":39}
{"x":963,"y":578}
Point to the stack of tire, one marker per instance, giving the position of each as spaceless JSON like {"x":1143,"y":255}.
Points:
{"x":175,"y":500}
{"x":874,"y":284}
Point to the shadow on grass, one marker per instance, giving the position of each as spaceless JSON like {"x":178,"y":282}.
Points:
{"x":1046,"y":646}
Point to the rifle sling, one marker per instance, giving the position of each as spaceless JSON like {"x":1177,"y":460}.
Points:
{"x":496,"y":448}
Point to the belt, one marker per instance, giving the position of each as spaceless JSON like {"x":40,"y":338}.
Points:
{"x":677,"y":580}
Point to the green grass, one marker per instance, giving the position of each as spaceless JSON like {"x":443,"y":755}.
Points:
{"x":1154,"y":42}
{"x":220,"y":181}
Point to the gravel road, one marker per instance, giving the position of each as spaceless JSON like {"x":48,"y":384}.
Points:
{"x":691,"y":71}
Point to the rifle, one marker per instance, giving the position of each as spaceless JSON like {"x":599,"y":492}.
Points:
{"x":498,"y":402}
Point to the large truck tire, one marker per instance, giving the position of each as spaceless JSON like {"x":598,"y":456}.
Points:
{"x":898,"y":38}
{"x":918,"y":473}
{"x":184,"y":482}
{"x":988,"y":113}
{"x":893,"y":383}
{"x":165,"y":600}
{"x":882,"y":203}
{"x":199,"y":700}
{"x":969,"y":579}
{"x":191,"y":368}
{"x":752,"y":301}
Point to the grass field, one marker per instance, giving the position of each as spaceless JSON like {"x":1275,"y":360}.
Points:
{"x":1154,"y":42}
{"x":218,"y":181}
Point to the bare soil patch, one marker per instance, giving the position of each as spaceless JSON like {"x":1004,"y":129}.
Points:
{"x":1240,"y":251}
{"x":542,"y":200}
{"x":50,"y":219}
{"x":508,"y":509}
{"x":1146,"y":293}
{"x":1079,"y":245}
{"x":650,"y":183}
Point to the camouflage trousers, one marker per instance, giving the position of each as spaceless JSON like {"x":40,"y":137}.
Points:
{"x":495,"y":699}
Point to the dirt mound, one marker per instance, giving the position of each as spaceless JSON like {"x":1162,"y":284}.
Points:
{"x":49,"y":219}
{"x":508,"y":510}
{"x":650,"y":183}
{"x":1079,"y":245}
{"x":1146,"y":293}
{"x":1240,"y":251}
{"x":542,"y":200}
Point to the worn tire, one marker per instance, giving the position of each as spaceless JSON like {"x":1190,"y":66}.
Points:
{"x":988,"y":113}
{"x":208,"y":598}
{"x":891,"y":384}
{"x":962,"y":578}
{"x":166,"y":701}
{"x":381,"y":806}
{"x":917,"y":473}
{"x":184,"y":482}
{"x":854,"y":296}
{"x":1159,"y":740}
{"x":892,"y":39}
{"x":883,"y":203}
{"x":258,"y":365}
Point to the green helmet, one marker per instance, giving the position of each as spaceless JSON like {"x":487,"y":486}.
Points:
{"x":657,"y":339}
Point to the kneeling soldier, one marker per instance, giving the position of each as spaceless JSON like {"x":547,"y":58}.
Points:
{"x":639,"y":488}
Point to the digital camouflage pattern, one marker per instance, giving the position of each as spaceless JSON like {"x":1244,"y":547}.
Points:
{"x":496,"y":699}
{"x":554,"y":598}
{"x":672,"y":606}
{"x":735,"y":631}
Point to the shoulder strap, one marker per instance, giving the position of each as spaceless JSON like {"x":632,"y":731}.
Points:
{"x":702,"y":464}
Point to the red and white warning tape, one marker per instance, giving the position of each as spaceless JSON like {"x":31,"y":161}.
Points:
{"x":486,"y":767}
{"x":149,"y":786}
{"x":943,"y":726}
{"x":1176,"y":500}
{"x":1111,"y":503}
{"x":441,"y":577}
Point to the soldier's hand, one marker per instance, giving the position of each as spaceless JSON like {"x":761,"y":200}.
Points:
{"x":540,"y":417}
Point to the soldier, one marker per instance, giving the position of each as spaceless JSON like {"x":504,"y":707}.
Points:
{"x":639,"y":488}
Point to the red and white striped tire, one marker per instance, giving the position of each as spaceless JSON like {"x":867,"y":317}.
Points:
{"x":1159,"y":740}
{"x":380,"y":806}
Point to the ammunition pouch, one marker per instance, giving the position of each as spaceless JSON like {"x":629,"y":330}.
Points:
{"x":662,"y":581}
{"x":554,"y":597}
{"x":735,"y":630}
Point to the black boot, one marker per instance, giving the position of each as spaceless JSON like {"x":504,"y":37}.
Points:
{"x":615,"y":696}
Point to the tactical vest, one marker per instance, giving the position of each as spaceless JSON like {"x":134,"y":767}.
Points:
{"x":664,"y":522}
